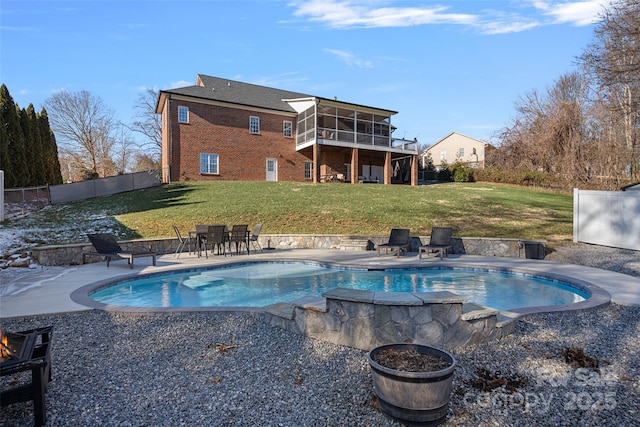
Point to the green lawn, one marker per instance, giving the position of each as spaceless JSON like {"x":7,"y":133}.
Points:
{"x":472,"y":209}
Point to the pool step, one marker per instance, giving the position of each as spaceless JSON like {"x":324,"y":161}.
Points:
{"x":283,"y":314}
{"x":504,"y":322}
{"x":355,"y":244}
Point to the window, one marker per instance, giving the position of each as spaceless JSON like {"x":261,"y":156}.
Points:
{"x":443,"y":155}
{"x":183,"y":114}
{"x":308,"y":169}
{"x":461,"y":152}
{"x":287,"y":129}
{"x":208,"y":163}
{"x":254,"y":124}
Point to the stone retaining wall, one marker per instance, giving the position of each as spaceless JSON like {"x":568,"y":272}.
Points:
{"x":72,"y":254}
{"x":365,"y":319}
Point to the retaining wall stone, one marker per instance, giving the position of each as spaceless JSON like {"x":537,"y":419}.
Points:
{"x":72,"y":254}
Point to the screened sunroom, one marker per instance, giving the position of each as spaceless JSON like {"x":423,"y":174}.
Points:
{"x":331,"y":130}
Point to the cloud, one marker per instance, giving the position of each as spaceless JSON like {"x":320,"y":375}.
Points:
{"x":579,"y":13}
{"x":506,"y":26}
{"x":180,"y":83}
{"x":349,"y":58}
{"x":352,"y":14}
{"x":284,"y":80}
{"x":349,"y":14}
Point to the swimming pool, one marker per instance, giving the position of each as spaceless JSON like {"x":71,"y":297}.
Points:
{"x":258,"y":284}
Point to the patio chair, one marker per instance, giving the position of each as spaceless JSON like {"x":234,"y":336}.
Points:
{"x":202,"y":230}
{"x":439,"y":241}
{"x":216,"y":238}
{"x":398,"y":241}
{"x":182,"y":242}
{"x":239,"y":236}
{"x":254,"y":237}
{"x":107,"y":246}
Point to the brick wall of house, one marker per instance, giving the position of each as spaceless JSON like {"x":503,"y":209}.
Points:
{"x":333,"y":161}
{"x":225,"y":131}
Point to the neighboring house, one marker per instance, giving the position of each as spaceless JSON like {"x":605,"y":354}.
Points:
{"x":221,"y":129}
{"x":456,"y":147}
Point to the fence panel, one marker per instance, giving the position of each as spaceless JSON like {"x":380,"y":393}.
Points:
{"x":19,"y":201}
{"x":607,"y":218}
{"x":77,"y":191}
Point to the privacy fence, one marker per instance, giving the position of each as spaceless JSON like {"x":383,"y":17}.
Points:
{"x":18,"y":201}
{"x":608,"y":218}
{"x":77,"y":191}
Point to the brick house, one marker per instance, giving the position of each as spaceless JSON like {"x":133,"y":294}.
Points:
{"x":221,"y":129}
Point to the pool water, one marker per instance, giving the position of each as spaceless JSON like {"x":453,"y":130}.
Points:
{"x":264,"y":283}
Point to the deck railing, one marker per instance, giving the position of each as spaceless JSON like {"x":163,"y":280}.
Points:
{"x":346,"y":138}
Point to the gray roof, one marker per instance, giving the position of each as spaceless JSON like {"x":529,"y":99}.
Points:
{"x":234,"y":92}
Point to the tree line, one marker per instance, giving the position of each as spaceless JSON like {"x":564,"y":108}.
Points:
{"x":93,"y":144}
{"x":90,"y":142}
{"x":28,"y":149}
{"x":583,"y":131}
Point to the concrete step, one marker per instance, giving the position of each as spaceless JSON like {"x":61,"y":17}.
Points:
{"x":354,"y":244}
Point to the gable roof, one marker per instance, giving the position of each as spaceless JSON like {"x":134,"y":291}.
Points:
{"x":235,"y":92}
{"x":250,"y":95}
{"x":486,"y":144}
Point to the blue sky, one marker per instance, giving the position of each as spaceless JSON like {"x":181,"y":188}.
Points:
{"x":444,"y":66}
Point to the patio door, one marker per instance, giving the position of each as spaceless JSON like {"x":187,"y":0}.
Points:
{"x":272,"y":169}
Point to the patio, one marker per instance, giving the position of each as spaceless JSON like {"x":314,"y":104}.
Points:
{"x":46,"y":291}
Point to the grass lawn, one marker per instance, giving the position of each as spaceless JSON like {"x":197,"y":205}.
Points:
{"x":472,"y":209}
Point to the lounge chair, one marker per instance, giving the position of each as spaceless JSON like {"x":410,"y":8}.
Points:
{"x":398,"y":241}
{"x":107,"y":246}
{"x":439,"y":241}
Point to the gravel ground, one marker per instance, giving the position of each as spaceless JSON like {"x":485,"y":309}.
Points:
{"x":232,"y":369}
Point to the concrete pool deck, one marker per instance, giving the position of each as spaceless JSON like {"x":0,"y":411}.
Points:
{"x":47,"y":291}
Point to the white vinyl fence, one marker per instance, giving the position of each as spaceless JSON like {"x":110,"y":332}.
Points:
{"x":607,"y":218}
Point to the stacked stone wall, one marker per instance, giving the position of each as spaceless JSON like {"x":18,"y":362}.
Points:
{"x":72,"y":254}
{"x":365,"y":319}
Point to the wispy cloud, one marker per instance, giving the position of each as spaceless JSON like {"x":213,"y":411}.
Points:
{"x":284,"y":80}
{"x":348,"y":14}
{"x":179,"y":83}
{"x":349,"y":58}
{"x":578,"y":13}
{"x":28,"y":29}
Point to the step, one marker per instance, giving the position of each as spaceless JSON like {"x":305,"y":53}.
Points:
{"x":354,"y":244}
{"x":473,"y":311}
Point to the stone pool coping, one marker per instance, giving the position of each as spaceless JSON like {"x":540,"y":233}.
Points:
{"x":598,"y":296}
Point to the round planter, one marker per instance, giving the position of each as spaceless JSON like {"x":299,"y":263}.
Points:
{"x":417,"y":397}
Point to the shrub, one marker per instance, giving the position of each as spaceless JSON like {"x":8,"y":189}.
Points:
{"x":461,"y":173}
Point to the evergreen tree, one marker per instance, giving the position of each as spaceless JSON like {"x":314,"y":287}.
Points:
{"x":51,"y":162}
{"x":33,"y":145}
{"x":4,"y":148}
{"x":18,"y":153}
{"x":13,"y":162}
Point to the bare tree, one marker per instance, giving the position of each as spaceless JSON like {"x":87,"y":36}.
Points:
{"x":147,"y":122}
{"x":550,"y":132}
{"x":614,"y":61}
{"x":83,"y":126}
{"x":125,"y":150}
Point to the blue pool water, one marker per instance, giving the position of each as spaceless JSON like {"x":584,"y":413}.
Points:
{"x":264,"y":283}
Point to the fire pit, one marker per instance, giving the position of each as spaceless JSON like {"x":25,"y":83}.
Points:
{"x":24,"y":351}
